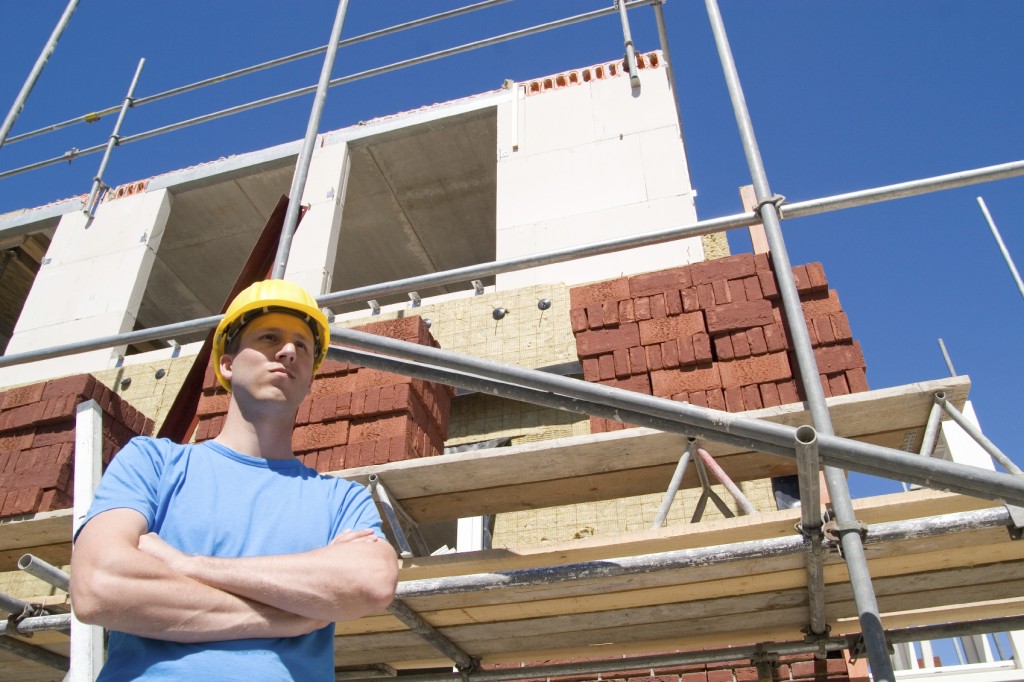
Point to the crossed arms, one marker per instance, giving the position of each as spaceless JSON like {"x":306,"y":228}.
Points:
{"x":129,"y":580}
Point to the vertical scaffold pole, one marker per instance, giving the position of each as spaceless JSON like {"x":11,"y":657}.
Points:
{"x":835,"y":479}
{"x":37,"y":69}
{"x":634,"y":78}
{"x":291,"y":216}
{"x":86,"y":640}
{"x":89,"y":208}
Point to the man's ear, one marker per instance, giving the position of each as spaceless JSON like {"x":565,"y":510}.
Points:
{"x":226,"y":361}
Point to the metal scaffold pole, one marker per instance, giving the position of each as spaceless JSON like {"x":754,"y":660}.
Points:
{"x":291,"y":218}
{"x":37,"y":69}
{"x":835,"y":479}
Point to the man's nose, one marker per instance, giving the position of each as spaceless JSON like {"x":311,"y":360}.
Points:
{"x":287,"y":350}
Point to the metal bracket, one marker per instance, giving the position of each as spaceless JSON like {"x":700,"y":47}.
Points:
{"x":833,"y":532}
{"x":766,"y":663}
{"x":810,"y":636}
{"x":1016,"y":526}
{"x":29,"y":611}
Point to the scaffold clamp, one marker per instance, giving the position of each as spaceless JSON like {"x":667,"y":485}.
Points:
{"x":1016,"y":525}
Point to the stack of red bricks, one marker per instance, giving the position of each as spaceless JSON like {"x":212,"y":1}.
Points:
{"x":37,"y":440}
{"x":355,"y":416}
{"x":711,"y":334}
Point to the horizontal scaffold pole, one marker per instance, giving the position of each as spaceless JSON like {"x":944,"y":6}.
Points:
{"x":491,"y":268}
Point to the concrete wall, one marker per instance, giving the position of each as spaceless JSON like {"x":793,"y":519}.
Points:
{"x":583,"y":158}
{"x":90,"y":284}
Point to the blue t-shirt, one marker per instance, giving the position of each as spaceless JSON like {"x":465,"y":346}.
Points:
{"x":208,"y":499}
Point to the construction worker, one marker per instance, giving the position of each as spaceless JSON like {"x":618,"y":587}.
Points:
{"x":230,"y":559}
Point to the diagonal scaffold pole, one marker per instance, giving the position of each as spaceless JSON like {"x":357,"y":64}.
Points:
{"x":575,"y":395}
{"x":835,"y":479}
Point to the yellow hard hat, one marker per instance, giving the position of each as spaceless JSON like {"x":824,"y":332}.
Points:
{"x":270,"y":296}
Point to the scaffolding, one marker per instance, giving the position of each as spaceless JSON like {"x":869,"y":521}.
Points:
{"x":838,"y":530}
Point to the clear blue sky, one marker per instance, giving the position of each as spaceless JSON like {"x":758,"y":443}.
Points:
{"x":844,"y":96}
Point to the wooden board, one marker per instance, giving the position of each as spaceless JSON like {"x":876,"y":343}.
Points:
{"x":920,"y":581}
{"x":633,"y":461}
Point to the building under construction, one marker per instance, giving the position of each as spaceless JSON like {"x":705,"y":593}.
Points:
{"x":603,"y":445}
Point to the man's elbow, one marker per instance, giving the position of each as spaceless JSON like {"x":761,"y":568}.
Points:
{"x":86,"y":601}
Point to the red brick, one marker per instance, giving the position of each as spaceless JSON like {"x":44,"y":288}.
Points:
{"x":788,"y":392}
{"x":578,"y":320}
{"x":591,"y":369}
{"x":693,"y":677}
{"x":673,"y":303}
{"x":22,"y":395}
{"x":642,"y":308}
{"x":756,"y":340}
{"x":690,"y":300}
{"x":820,"y":303}
{"x":698,"y":398}
{"x":723,"y":347}
{"x":740,"y":344}
{"x":599,"y":292}
{"x":610,"y":313}
{"x":705,"y":296}
{"x":386,"y":399}
{"x":769,"y":288}
{"x":370,"y":406}
{"x":803,"y":282}
{"x":738,"y":290}
{"x":721,"y":291}
{"x":202,"y":430}
{"x":701,"y":348}
{"x":319,"y":436}
{"x":595,"y":316}
{"x":752,"y":288}
{"x":672,"y":352}
{"x":598,"y":341}
{"x":637,"y":360}
{"x":668,"y":382}
{"x":606,"y":366}
{"x":658,"y":306}
{"x":823,"y":328}
{"x":731,"y":267}
{"x":841,"y":327}
{"x":775,"y":337}
{"x":666,"y":328}
{"x":734,"y":399}
{"x":678,"y":353}
{"x":857,"y":380}
{"x":738,"y":316}
{"x":626,"y":311}
{"x":746,"y":674}
{"x":751,"y":397}
{"x":770,"y":395}
{"x":658,"y":282}
{"x":653,"y":357}
{"x":824,"y":385}
{"x":720,"y":676}
{"x":837,"y":384}
{"x":638,"y":384}
{"x":816,"y":276}
{"x":839,"y":358}
{"x":80,"y":385}
{"x":716,"y":399}
{"x":621,"y":359}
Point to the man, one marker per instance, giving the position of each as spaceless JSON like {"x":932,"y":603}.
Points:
{"x":229,"y":559}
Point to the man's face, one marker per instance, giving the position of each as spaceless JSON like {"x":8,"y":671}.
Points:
{"x":274,"y":361}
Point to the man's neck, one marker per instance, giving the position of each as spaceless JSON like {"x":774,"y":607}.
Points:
{"x":268,"y":436}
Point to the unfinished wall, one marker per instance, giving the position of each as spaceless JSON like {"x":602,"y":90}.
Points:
{"x":37,"y":440}
{"x":583,"y":157}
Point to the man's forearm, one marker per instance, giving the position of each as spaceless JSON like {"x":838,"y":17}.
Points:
{"x":119,"y":587}
{"x":350,"y":578}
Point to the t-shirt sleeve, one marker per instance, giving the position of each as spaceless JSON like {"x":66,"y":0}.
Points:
{"x":358,"y":512}
{"x":131,"y":481}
